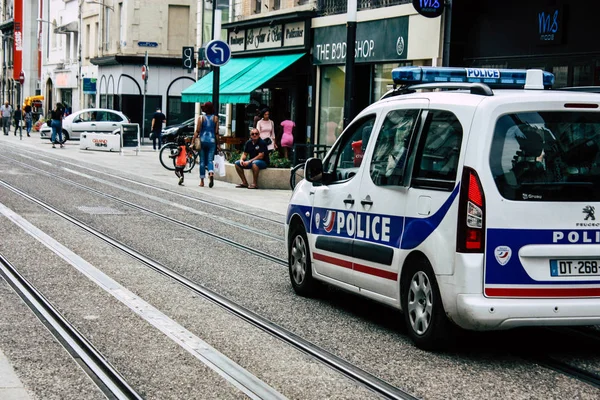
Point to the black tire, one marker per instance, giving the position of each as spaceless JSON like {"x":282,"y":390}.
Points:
{"x":424,"y":314}
{"x":65,"y":136}
{"x":299,"y":262}
{"x":166,"y":151}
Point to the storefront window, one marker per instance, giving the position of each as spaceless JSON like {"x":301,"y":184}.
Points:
{"x":561,"y":75}
{"x":583,"y":75}
{"x":382,"y":78}
{"x":331,"y":103}
{"x":66,"y":97}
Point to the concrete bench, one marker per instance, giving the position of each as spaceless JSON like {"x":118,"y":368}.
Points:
{"x":270,"y":178}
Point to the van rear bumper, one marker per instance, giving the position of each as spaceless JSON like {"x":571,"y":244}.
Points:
{"x":476,"y":312}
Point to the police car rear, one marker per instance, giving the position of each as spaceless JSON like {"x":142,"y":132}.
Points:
{"x":476,"y":206}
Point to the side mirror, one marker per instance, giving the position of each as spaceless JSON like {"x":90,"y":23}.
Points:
{"x":313,"y":170}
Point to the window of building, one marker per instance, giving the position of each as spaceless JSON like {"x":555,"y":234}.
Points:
{"x":54,"y":35}
{"x":107,"y":12}
{"x":122,"y":30}
{"x":98,"y":38}
{"x":178,"y":30}
{"x":257,"y":6}
{"x":331,"y":104}
{"x":382,"y":78}
{"x":88,"y":45}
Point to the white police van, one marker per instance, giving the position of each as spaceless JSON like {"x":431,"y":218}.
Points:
{"x":475,"y":205}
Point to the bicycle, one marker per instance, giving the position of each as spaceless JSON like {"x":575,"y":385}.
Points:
{"x":168,"y":150}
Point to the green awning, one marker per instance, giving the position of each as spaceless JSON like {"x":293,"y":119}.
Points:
{"x":239,"y":77}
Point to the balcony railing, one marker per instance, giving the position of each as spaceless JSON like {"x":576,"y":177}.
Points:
{"x":329,"y":7}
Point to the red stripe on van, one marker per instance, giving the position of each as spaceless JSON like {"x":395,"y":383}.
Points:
{"x":542,"y":292}
{"x":333,"y":260}
{"x":376,"y":272}
{"x":357,"y":267}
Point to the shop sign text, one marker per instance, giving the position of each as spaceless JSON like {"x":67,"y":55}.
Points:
{"x":549,"y":26}
{"x":381,"y":40}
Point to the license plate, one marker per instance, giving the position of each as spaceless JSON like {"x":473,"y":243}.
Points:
{"x":575,"y":267}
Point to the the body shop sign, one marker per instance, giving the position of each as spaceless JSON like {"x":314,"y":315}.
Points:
{"x":268,"y":37}
{"x":549,"y":25}
{"x":381,"y":40}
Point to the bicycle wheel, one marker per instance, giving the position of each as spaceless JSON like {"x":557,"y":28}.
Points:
{"x":191,"y":161}
{"x":296,"y":175}
{"x":166,"y":151}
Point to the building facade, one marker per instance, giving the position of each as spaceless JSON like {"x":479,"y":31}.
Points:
{"x":20,"y":49}
{"x":59,"y":41}
{"x":548,"y":34}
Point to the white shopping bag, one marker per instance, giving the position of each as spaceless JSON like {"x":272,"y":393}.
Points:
{"x":219,"y":163}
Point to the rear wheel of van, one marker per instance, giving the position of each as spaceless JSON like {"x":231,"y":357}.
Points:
{"x":422,"y":306}
{"x":299,"y":262}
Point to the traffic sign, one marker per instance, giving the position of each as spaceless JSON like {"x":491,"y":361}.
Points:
{"x":429,"y":8}
{"x":22,"y":78}
{"x":218,"y":53}
{"x":147,"y":44}
{"x":144,"y":72}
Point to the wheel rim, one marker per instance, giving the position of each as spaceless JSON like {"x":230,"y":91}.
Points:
{"x":420,"y":302}
{"x":298,"y":260}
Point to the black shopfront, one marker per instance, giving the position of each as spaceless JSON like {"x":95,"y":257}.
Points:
{"x":288,"y":93}
{"x":557,"y":36}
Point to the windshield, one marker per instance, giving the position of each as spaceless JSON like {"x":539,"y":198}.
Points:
{"x":547,"y":156}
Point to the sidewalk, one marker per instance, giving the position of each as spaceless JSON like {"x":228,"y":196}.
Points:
{"x":146,"y":164}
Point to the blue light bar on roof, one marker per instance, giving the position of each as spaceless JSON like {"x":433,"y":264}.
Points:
{"x":495,"y":78}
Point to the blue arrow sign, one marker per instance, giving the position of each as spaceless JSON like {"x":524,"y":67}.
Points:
{"x":147,"y":44}
{"x":218,"y":53}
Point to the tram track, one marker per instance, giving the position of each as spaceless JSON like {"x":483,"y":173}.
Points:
{"x":218,"y":237}
{"x":583,"y":338}
{"x":338,"y":364}
{"x":93,"y":363}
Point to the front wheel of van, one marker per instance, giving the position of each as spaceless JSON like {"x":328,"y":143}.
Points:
{"x":299,"y":262}
{"x":422,"y":306}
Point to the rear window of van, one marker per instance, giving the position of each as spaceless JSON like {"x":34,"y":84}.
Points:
{"x":547,"y":156}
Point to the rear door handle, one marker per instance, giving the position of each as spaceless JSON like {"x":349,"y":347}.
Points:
{"x":349,"y":200}
{"x":366,"y":202}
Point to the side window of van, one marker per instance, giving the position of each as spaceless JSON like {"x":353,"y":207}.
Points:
{"x":436,"y":164}
{"x":391,"y":149}
{"x":345,"y":158}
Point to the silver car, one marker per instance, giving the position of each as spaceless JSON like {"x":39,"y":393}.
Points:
{"x":97,"y":120}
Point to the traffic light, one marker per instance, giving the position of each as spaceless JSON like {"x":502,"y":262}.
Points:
{"x":187,"y":57}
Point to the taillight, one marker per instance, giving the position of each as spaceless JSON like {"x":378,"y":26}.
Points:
{"x":471,"y":214}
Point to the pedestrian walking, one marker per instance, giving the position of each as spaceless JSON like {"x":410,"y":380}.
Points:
{"x":287,"y":138}
{"x":57,"y":115}
{"x":180,"y":157}
{"x":18,"y":118}
{"x":266,"y":127}
{"x":158,"y":120}
{"x":6,"y":111}
{"x":28,"y":120}
{"x":207,"y":128}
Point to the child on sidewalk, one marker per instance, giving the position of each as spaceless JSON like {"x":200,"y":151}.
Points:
{"x":180,"y":157}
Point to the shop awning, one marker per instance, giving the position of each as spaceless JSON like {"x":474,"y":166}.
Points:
{"x":239,"y":77}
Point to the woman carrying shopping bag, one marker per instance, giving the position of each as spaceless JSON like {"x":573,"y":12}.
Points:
{"x":207,"y":128}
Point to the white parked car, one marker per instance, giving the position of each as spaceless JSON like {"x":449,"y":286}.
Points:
{"x":96,"y":120}
{"x":473,"y":206}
